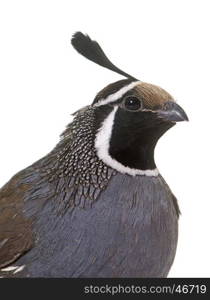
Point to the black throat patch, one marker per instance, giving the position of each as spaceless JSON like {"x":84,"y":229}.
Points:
{"x":134,"y":137}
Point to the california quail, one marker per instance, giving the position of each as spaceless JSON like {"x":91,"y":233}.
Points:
{"x":96,"y":205}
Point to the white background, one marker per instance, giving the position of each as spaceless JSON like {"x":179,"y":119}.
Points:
{"x":43,"y":80}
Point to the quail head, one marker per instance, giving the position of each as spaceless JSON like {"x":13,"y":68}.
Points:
{"x":96,"y":205}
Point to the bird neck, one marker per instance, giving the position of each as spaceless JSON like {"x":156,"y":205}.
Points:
{"x":74,"y":164}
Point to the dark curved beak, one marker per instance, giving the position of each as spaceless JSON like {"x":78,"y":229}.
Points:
{"x":171,"y":111}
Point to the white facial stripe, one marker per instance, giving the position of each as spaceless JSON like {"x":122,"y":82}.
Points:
{"x":118,"y":94}
{"x":102,"y":143}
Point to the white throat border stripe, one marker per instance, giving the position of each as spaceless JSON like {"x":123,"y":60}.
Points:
{"x":118,"y":94}
{"x":102,"y":143}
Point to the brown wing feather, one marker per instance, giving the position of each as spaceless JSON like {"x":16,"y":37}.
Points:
{"x":15,"y":229}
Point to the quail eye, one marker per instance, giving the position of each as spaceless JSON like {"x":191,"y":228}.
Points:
{"x":132,"y":103}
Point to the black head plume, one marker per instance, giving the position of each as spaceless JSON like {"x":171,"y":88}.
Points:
{"x":92,"y":51}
